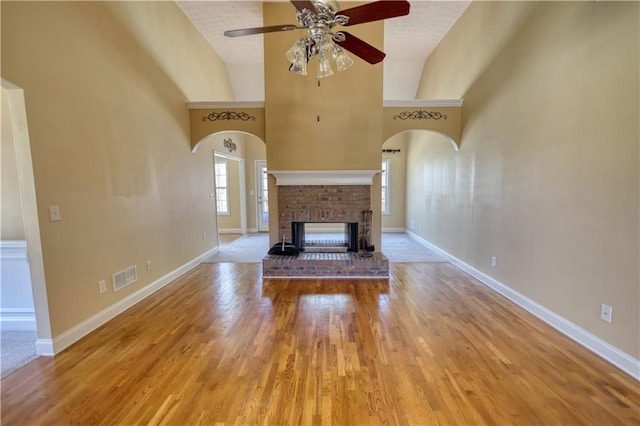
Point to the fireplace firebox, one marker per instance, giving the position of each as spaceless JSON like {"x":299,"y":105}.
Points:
{"x":335,"y":243}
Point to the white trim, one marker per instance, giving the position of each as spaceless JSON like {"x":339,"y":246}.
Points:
{"x":252,"y":231}
{"x":427,"y":103}
{"x":22,"y":319}
{"x":227,"y":156}
{"x":323,"y":177}
{"x":18,"y":114}
{"x":44,"y":347}
{"x":615,"y":356}
{"x":230,"y":231}
{"x":13,"y":250}
{"x":241,"y":185}
{"x":392,"y":230}
{"x":260,"y":224}
{"x":232,"y":105}
{"x":433,"y":103}
{"x":79,"y":331}
{"x":385,"y":181}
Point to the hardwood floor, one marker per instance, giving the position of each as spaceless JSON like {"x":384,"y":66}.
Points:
{"x":220,"y":346}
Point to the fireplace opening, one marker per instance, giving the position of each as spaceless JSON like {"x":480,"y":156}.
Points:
{"x":321,"y":237}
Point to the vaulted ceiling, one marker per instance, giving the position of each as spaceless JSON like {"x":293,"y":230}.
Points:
{"x":409,"y":40}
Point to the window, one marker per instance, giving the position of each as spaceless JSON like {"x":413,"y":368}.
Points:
{"x":222,"y":190}
{"x":385,"y":187}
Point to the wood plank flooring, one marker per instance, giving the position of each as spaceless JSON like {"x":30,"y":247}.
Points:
{"x":220,"y":346}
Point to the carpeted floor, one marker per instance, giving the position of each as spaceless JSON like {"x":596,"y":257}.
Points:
{"x":17,"y":348}
{"x":400,"y":248}
{"x":251,"y":248}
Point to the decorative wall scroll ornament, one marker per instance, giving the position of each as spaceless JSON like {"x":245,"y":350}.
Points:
{"x":420,"y":115}
{"x":228,"y":115}
{"x":228,"y":143}
{"x":390,"y":151}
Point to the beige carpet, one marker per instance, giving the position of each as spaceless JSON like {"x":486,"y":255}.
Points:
{"x":17,"y":348}
{"x":251,"y":248}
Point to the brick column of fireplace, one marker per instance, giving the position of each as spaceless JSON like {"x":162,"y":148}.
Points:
{"x":321,"y":204}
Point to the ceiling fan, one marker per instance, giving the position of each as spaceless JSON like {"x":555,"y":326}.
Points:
{"x":318,"y":18}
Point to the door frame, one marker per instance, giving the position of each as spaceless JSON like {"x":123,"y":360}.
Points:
{"x":18,"y":116}
{"x":241,"y":184}
{"x":262,"y":226}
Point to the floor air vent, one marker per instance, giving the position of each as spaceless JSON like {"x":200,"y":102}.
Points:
{"x":124,"y":278}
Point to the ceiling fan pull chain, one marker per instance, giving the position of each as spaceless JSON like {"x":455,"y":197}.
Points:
{"x":318,"y":102}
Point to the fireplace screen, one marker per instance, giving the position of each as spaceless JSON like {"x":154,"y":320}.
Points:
{"x":324,"y":237}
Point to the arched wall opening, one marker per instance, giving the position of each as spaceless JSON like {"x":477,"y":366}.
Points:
{"x":243,"y":154}
{"x":399,"y":186}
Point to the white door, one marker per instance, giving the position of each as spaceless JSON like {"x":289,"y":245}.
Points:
{"x":263,"y":195}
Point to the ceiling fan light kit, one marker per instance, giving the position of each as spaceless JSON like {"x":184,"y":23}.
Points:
{"x":319,"y":18}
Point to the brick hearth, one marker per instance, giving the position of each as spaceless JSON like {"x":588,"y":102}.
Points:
{"x":326,"y":265}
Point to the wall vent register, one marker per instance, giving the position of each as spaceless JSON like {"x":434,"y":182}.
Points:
{"x":124,"y":278}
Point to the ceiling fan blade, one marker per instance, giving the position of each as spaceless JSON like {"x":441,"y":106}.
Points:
{"x":376,"y":11}
{"x":302,"y":4}
{"x":259,"y":30}
{"x":361,"y":48}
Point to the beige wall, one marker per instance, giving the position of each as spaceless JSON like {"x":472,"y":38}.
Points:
{"x":547,"y":176}
{"x":397,"y":181}
{"x":349,"y":133}
{"x":12,"y":226}
{"x":105,"y":87}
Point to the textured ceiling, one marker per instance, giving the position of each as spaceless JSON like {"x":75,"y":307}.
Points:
{"x":408,"y":38}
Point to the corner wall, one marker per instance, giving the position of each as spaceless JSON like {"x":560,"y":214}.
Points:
{"x":547,"y":176}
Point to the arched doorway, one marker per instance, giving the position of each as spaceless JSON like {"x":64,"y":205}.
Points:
{"x":237,"y":160}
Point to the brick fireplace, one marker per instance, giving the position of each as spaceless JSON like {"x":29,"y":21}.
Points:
{"x":338,"y":204}
{"x":329,"y":198}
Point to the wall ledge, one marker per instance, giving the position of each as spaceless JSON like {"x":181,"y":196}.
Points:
{"x":427,"y":103}
{"x":323,"y":177}
{"x":13,"y":250}
{"x":610,"y":353}
{"x":18,"y":319}
{"x":231,"y":105}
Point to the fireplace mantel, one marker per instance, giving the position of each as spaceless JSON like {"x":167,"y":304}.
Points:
{"x":323,"y":177}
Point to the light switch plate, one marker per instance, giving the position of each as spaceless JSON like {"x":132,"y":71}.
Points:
{"x":54,"y":213}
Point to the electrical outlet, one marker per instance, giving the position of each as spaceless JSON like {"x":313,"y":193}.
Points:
{"x":204,"y":235}
{"x":605,"y":313}
{"x":494,"y":261}
{"x":148,"y":265}
{"x":102,"y":286}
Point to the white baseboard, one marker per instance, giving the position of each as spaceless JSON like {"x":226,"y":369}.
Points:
{"x":16,"y":319}
{"x":44,"y":347}
{"x":76,"y":333}
{"x":393,"y":230}
{"x":252,"y":231}
{"x":230,"y":231}
{"x":615,"y":356}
